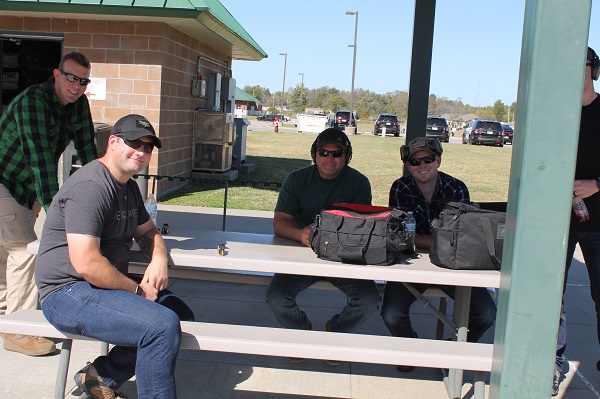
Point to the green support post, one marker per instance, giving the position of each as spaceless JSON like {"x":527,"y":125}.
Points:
{"x":420,"y":70}
{"x":541,"y":182}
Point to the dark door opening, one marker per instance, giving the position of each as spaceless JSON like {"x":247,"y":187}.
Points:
{"x":26,"y":60}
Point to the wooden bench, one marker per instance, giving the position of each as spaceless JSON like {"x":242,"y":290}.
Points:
{"x":269,"y":341}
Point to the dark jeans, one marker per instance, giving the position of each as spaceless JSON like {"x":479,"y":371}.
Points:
{"x":397,"y":300}
{"x":146,"y":335}
{"x":363,"y":300}
{"x":590,"y":247}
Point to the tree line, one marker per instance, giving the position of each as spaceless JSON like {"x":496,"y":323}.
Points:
{"x":369,"y":104}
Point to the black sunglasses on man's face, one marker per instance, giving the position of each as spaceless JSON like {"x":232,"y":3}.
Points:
{"x":334,"y":153}
{"x":135,"y":144}
{"x":417,"y":161}
{"x":74,"y":78}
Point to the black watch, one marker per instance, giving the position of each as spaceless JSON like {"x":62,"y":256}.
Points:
{"x":138,"y":290}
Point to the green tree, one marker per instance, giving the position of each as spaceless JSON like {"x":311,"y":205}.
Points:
{"x":499,"y":111}
{"x":335,"y":103}
{"x":299,"y":98}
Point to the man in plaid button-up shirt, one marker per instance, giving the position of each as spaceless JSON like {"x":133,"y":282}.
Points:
{"x":35,"y":129}
{"x":420,"y":193}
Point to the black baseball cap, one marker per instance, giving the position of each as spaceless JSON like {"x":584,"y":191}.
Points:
{"x":333,"y":136}
{"x":134,"y":126}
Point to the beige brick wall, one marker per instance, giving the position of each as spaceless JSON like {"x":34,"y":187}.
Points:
{"x":148,"y":68}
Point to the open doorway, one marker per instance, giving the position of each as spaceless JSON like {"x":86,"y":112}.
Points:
{"x":27,"y":59}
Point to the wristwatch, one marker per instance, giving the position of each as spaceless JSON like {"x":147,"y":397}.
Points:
{"x":138,"y":290}
{"x":598,"y":183}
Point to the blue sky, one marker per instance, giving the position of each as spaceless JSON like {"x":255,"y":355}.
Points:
{"x":474,"y":59}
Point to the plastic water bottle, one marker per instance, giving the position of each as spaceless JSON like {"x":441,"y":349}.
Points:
{"x":411,"y":227}
{"x":152,"y":207}
{"x":581,"y":210}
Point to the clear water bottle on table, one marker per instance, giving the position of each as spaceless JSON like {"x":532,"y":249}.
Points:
{"x":411,"y":227}
{"x":152,"y":207}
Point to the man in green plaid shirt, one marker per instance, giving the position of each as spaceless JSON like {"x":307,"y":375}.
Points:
{"x":35,"y":129}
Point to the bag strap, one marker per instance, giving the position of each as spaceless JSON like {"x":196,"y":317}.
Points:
{"x":489,"y":240}
{"x":370,"y":235}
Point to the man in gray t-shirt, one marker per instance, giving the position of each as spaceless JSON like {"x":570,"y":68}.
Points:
{"x":82,"y":263}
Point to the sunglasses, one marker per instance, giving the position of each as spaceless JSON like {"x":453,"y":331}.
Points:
{"x":135,"y":144}
{"x":417,"y":161}
{"x":74,"y":78}
{"x":325,"y":153}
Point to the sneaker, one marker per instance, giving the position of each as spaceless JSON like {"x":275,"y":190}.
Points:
{"x":89,"y":382}
{"x":28,"y":344}
{"x":331,"y":362}
{"x":556,"y":382}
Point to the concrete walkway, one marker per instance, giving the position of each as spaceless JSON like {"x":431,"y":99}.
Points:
{"x":210,"y":375}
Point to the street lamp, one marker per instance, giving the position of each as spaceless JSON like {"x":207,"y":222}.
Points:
{"x":301,"y":74}
{"x":354,"y":59}
{"x":283,"y":90}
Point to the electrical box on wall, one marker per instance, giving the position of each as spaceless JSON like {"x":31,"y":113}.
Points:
{"x":199,"y":87}
{"x":213,"y":90}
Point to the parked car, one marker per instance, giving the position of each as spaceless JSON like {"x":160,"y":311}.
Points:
{"x":390,"y":122}
{"x":507,"y":134}
{"x":344,"y":118}
{"x":437,"y":126}
{"x":271,"y":117}
{"x":483,"y":131}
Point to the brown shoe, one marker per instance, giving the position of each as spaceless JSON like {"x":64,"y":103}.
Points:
{"x":89,"y":382}
{"x":28,"y":344}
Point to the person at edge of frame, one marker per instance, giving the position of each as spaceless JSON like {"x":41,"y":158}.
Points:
{"x":35,"y":129}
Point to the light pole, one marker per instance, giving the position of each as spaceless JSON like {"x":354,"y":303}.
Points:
{"x":301,"y":74}
{"x":283,"y":90}
{"x":354,"y":59}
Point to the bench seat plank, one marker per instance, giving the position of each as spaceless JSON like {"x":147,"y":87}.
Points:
{"x":336,"y":346}
{"x":270,"y":341}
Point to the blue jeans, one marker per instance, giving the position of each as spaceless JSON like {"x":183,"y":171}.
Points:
{"x":590,"y":247}
{"x":146,"y":335}
{"x":363,"y":300}
{"x":397,"y":300}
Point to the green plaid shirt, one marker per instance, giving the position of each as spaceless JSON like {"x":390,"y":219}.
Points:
{"x":34,"y":132}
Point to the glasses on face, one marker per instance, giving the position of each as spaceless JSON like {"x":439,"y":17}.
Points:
{"x":417,"y":161}
{"x":325,"y":153}
{"x":135,"y":144}
{"x":74,"y":78}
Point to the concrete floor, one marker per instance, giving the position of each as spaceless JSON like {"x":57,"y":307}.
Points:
{"x":211,"y":375}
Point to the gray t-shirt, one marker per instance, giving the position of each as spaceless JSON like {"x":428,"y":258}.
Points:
{"x":91,"y":202}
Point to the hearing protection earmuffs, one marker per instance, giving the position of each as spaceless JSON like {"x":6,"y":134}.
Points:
{"x":421,"y":143}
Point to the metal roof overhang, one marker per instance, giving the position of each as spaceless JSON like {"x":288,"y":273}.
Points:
{"x":198,"y":23}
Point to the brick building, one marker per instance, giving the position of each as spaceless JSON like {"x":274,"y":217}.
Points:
{"x":144,"y":59}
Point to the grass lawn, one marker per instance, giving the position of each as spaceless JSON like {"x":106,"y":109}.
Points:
{"x":485,"y":170}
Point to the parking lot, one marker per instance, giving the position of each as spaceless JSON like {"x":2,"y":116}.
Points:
{"x":290,"y":127}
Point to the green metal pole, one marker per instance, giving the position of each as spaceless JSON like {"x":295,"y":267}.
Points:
{"x":420,"y":70}
{"x":551,"y":76}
